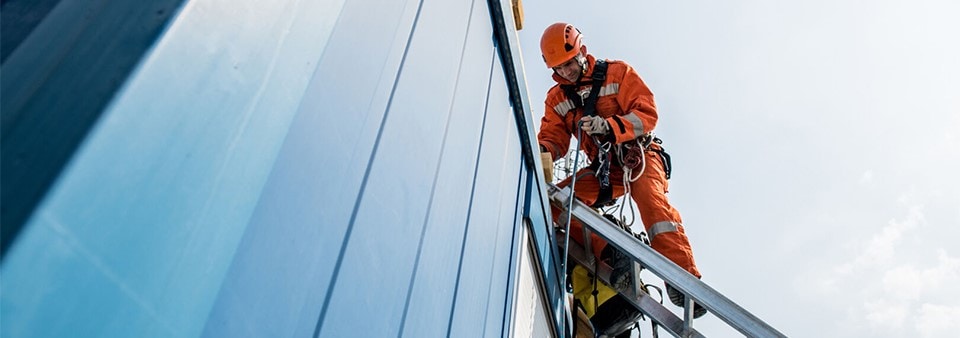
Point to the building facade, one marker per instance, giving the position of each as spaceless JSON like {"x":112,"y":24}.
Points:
{"x":271,"y":169}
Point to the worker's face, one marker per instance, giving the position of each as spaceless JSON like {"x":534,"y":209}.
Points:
{"x":570,"y":70}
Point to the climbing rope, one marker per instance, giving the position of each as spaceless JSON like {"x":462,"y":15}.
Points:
{"x":573,"y":184}
{"x":628,"y":177}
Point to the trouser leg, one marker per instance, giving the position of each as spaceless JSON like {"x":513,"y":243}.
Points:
{"x":660,"y":219}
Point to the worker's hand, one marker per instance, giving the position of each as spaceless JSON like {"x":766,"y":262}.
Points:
{"x":594,"y":125}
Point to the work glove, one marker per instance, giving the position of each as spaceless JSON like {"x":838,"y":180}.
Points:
{"x":594,"y":125}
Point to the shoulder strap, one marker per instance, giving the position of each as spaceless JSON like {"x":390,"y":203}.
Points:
{"x":571,"y":92}
{"x":599,"y":75}
{"x":589,"y":105}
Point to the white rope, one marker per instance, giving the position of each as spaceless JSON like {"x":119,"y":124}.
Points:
{"x":628,"y":178}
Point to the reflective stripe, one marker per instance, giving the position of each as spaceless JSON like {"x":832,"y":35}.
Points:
{"x":563,"y":107}
{"x":661,"y":227}
{"x":637,"y":123}
{"x":610,"y":89}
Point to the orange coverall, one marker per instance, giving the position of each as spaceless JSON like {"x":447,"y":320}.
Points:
{"x":627,"y":105}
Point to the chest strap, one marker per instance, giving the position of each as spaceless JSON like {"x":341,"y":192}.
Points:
{"x":600,"y":164}
{"x":590,"y":104}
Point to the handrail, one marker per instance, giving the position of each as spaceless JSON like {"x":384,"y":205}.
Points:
{"x":695,"y":289}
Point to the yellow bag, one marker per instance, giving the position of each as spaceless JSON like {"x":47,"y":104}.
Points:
{"x":610,"y":313}
{"x":583,"y":290}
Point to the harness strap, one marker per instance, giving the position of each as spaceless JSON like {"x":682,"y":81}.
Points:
{"x":603,"y":155}
{"x":600,"y":164}
{"x":664,"y":157}
{"x":599,"y":75}
{"x":588,"y":105}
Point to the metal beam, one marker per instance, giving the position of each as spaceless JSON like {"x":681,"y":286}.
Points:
{"x":643,"y":301}
{"x":719,"y":305}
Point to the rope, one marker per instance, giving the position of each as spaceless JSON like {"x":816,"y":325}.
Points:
{"x":653,"y":325}
{"x":627,"y":179}
{"x":573,"y":184}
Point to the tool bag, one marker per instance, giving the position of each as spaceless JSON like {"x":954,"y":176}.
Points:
{"x":609,"y":312}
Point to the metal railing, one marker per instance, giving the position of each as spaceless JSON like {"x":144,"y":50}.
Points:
{"x":694,"y":289}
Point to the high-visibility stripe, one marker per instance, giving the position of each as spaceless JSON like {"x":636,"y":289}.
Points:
{"x":609,"y":89}
{"x":661,"y":227}
{"x":637,"y":123}
{"x":563,"y":107}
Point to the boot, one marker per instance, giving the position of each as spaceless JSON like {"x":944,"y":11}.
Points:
{"x":679,"y":299}
{"x":621,"y":278}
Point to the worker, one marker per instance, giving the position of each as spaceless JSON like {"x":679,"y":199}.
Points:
{"x":616,"y":115}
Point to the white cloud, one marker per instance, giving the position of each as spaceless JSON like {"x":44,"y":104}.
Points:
{"x":907,"y":295}
{"x":938,"y":320}
{"x":892,"y":286}
{"x":879,"y":250}
{"x":903,"y":282}
{"x":884,"y":314}
{"x":906,"y":282}
{"x":944,"y":274}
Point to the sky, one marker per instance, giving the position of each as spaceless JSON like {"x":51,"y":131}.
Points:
{"x":815,"y":145}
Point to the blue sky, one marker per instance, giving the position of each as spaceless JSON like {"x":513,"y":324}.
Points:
{"x":816,"y":150}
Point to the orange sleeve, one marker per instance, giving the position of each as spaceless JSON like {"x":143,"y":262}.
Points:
{"x":554,"y":132}
{"x":640,"y":111}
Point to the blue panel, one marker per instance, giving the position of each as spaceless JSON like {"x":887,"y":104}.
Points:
{"x":19,"y":18}
{"x":392,"y":211}
{"x":493,"y":210}
{"x":279,"y":279}
{"x":297,"y":168}
{"x":431,"y":296}
{"x":541,"y":229}
{"x":544,"y":238}
{"x":146,"y":219}
{"x":64,"y":290}
{"x":58,"y":83}
{"x":500,"y":306}
{"x":510,"y":210}
{"x":512,"y":259}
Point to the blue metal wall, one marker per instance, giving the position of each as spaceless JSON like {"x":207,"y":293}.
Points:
{"x":298,"y":168}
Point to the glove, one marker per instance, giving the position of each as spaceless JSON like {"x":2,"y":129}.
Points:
{"x":594,"y":125}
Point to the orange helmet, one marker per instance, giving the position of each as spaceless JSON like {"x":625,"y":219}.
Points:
{"x":560,"y":42}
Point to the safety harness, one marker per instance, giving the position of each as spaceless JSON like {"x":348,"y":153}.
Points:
{"x":601,"y":164}
{"x":629,"y":155}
